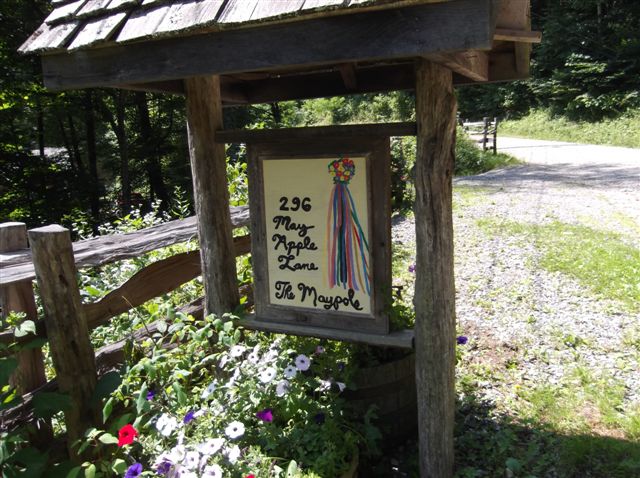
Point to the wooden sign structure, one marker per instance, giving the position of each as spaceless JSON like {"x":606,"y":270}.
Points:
{"x":321,"y":233}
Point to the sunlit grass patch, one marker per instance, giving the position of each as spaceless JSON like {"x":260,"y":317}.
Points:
{"x":599,"y":260}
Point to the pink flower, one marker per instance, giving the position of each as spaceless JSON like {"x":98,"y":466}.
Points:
{"x":265,"y":415}
{"x":126,"y":435}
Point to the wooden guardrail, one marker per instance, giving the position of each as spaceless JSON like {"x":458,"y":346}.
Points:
{"x":53,"y":259}
{"x":484,"y":132}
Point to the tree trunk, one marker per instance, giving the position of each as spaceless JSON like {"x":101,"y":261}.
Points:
{"x":435,"y":292}
{"x":150,"y":152}
{"x":211,"y":194}
{"x":92,"y":156}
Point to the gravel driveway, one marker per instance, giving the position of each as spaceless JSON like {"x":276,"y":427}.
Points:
{"x":539,"y":325}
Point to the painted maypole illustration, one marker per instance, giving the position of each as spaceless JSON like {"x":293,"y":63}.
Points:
{"x":347,"y":246}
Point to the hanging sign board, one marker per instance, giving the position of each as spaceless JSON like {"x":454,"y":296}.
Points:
{"x":321,"y":256}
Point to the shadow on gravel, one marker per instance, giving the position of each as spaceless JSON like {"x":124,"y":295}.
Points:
{"x":529,"y":175}
{"x":490,"y":445}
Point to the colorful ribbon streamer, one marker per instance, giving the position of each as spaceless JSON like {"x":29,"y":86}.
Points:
{"x":348,"y":262}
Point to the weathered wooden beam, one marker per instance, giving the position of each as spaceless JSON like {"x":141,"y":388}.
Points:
{"x":471,"y":64}
{"x":106,"y":249}
{"x":153,"y":281}
{"x":175,"y":87}
{"x":211,"y":194}
{"x":18,"y":297}
{"x":70,"y":346}
{"x":379,"y":35}
{"x":349,"y":77}
{"x":434,"y":299}
{"x":502,"y":67}
{"x":316,"y":132}
{"x":523,"y":36}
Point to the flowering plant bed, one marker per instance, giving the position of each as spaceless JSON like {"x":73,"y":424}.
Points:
{"x":215,"y":406}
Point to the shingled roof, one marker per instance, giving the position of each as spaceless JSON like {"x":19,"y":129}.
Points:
{"x":76,"y":24}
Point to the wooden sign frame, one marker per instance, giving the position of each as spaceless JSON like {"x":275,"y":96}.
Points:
{"x":376,"y":150}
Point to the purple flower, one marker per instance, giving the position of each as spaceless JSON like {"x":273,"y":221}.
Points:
{"x":412,"y":268}
{"x":189,"y":416}
{"x":134,"y":470}
{"x":151,"y":395}
{"x":461,"y":340}
{"x":319,"y":418}
{"x":265,"y":415}
{"x":164,"y":467}
{"x":341,"y":366}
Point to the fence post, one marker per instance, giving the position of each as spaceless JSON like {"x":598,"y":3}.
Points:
{"x":495,"y":135}
{"x":485,"y":132}
{"x":71,"y":351}
{"x":18,"y":297}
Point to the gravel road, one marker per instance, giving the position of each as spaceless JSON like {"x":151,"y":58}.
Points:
{"x":543,"y":324}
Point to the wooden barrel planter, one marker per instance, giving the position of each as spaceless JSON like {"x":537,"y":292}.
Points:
{"x":391,"y":388}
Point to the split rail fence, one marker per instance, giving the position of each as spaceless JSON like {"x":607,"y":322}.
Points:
{"x":48,"y":255}
{"x":484,"y":132}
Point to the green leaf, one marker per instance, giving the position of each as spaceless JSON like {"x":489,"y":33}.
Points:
{"x":26,"y":327}
{"x":107,"y":384}
{"x":74,"y":472}
{"x":119,"y":466}
{"x":162,"y":326}
{"x":180,"y":395}
{"x":34,"y":344}
{"x":47,"y":404}
{"x":7,"y":367}
{"x":90,"y":472}
{"x":107,"y":409}
{"x":107,"y":439}
{"x":513,"y":464}
{"x":92,"y":291}
{"x":142,"y":398}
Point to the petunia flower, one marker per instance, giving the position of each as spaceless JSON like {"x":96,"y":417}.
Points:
{"x":126,"y":435}
{"x":134,"y":470}
{"x":151,"y":395}
{"x":212,"y":471}
{"x":254,"y":357}
{"x":412,"y":268}
{"x":461,"y":340}
{"x":319,"y":350}
{"x":189,"y":416}
{"x":232,"y":454}
{"x":163,"y":467}
{"x":166,"y":424}
{"x":265,"y":415}
{"x":302,"y":362}
{"x":267,"y":375}
{"x":341,"y":386}
{"x":208,"y":391}
{"x":210,"y":446}
{"x":282,"y":388}
{"x":319,"y":418}
{"x":191,"y":460}
{"x":237,"y":351}
{"x":250,"y":476}
{"x":234,"y":430}
{"x":290,"y":372}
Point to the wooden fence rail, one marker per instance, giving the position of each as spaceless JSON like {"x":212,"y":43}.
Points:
{"x":54,"y":261}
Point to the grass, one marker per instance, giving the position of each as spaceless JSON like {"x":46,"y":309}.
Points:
{"x":540,"y":124}
{"x":601,"y":261}
{"x":470,"y":159}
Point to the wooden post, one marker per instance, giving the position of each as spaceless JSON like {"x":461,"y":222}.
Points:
{"x":435,"y":292}
{"x":211,"y":194}
{"x":18,"y":297}
{"x":485,"y":132}
{"x":71,"y":351}
{"x":495,"y":135}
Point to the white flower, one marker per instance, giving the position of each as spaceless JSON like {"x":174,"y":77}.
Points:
{"x":212,"y":471}
{"x":324,"y":385}
{"x":267,"y":375}
{"x":302,"y":362}
{"x":232,"y":453}
{"x":223,"y":361}
{"x":234,"y":378}
{"x":199,"y":413}
{"x":235,"y":429}
{"x":182,"y":473}
{"x":208,"y":391}
{"x":191,"y":460}
{"x":341,"y":386}
{"x":181,"y":437}
{"x":166,"y":424}
{"x":282,"y":388}
{"x":236,"y":351}
{"x":290,"y":371}
{"x":254,"y":357}
{"x":319,"y":349}
{"x":177,"y":454}
{"x":211,"y":446}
